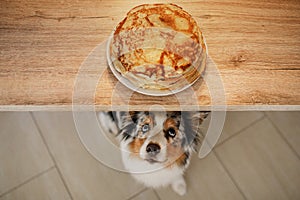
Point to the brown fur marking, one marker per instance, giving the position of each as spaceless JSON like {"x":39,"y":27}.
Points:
{"x":170,"y":123}
{"x":136,"y":145}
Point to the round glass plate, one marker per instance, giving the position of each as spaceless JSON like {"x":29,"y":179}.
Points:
{"x":130,"y":85}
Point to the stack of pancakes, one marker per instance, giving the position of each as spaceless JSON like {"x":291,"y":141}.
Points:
{"x":158,"y":47}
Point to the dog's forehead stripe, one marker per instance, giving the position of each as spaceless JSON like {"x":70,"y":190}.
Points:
{"x":159,"y":119}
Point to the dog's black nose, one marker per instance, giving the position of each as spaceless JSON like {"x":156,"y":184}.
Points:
{"x":153,"y":149}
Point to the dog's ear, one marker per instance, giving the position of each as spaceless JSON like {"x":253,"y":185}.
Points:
{"x":134,"y":116}
{"x":203,"y":115}
{"x":129,"y":117}
{"x":191,"y":123}
{"x":128,"y":123}
{"x":196,"y":117}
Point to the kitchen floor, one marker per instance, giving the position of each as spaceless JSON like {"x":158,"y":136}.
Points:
{"x":256,"y":157}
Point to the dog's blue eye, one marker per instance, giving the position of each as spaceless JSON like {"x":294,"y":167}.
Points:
{"x":171,"y":132}
{"x":145,"y":128}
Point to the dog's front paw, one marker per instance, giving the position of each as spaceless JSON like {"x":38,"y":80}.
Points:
{"x":179,"y":186}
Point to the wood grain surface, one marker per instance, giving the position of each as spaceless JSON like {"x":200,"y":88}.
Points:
{"x":254,"y":44}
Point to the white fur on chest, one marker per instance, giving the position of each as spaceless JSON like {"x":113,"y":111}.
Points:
{"x":159,"y":178}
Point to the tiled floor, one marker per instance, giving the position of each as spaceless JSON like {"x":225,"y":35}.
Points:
{"x":256,"y":157}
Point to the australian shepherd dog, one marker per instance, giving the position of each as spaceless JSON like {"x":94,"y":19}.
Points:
{"x":156,"y":146}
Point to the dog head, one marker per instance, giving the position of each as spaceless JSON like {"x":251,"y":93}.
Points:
{"x":165,"y":138}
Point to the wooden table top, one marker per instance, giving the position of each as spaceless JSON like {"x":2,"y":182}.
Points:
{"x":255,"y":45}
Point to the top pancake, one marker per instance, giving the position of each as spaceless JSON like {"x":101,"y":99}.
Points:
{"x":158,"y":46}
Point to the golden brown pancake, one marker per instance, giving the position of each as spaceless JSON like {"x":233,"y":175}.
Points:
{"x":158,"y":46}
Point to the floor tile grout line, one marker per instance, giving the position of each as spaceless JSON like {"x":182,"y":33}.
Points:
{"x":229,"y":138}
{"x":240,"y":131}
{"x":265,"y":113}
{"x":283,"y":137}
{"x":229,"y":174}
{"x":138,"y":193}
{"x":27,"y":181}
{"x":156,"y":194}
{"x":51,"y":155}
